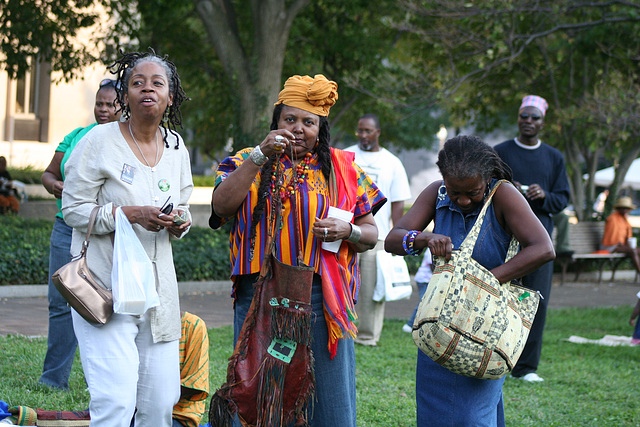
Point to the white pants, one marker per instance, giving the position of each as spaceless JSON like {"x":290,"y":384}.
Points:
{"x":125,"y":370}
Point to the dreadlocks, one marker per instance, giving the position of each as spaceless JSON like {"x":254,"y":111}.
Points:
{"x":466,"y":156}
{"x":123,"y":67}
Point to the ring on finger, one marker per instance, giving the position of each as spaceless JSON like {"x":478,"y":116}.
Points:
{"x":279,"y":142}
{"x":326,"y":230}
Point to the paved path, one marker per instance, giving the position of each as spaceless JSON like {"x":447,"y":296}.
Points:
{"x":28,"y":315}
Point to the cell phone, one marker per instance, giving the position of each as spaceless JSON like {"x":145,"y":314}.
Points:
{"x":167,"y":208}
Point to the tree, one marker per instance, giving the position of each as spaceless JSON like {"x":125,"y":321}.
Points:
{"x":614,"y":108}
{"x":234,"y":55}
{"x":45,"y":30}
{"x":557,"y":49}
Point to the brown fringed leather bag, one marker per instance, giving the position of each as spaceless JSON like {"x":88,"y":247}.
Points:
{"x":270,"y":376}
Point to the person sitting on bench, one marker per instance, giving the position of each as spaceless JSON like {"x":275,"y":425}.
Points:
{"x":618,"y":234}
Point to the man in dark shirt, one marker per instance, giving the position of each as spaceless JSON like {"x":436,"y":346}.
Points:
{"x":540,"y":174}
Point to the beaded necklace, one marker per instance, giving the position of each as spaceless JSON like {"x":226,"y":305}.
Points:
{"x":297,"y":178}
{"x":287,"y":191}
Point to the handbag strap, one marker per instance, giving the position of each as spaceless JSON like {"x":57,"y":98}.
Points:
{"x":471,"y":238}
{"x":92,"y":220}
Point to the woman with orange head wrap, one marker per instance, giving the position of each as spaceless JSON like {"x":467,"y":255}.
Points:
{"x":279,"y":195}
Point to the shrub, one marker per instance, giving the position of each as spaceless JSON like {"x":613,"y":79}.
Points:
{"x":28,"y":174}
{"x":25,"y":250}
{"x":204,"y":181}
{"x":203,"y":254}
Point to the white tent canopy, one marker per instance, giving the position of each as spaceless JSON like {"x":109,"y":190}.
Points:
{"x":604,"y":177}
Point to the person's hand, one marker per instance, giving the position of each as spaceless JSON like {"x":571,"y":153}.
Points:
{"x":175,"y":229}
{"x":57,"y":188}
{"x":276,"y":141}
{"x":439,"y":245}
{"x":149,"y":217}
{"x":535,"y":192}
{"x":331,"y":229}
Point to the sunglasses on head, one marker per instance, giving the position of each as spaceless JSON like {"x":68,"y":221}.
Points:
{"x":525,"y":116}
{"x":109,"y":82}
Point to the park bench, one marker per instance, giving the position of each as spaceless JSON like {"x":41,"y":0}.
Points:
{"x":584,"y":239}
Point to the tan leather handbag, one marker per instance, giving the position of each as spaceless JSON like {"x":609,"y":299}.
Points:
{"x":76,"y":284}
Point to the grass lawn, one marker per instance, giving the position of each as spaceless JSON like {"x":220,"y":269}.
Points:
{"x":585,"y":384}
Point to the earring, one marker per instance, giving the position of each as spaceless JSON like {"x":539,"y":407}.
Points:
{"x":126,"y":112}
{"x":486,"y":191}
{"x":165,"y":116}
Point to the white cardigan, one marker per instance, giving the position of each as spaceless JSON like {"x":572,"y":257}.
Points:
{"x":103,"y":171}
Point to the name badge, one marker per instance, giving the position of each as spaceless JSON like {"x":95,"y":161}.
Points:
{"x":127,"y":174}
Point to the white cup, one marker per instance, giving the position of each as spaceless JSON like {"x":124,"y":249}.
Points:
{"x":340,"y":214}
{"x":632,"y":242}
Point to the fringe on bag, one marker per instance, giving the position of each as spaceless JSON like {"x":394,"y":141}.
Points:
{"x":219,"y":412}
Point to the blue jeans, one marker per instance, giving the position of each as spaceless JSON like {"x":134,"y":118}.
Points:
{"x":456,"y":400}
{"x":61,"y":341}
{"x":334,"y":403}
{"x":422,"y":288}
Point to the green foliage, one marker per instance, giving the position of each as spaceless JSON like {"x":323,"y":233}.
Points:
{"x":46,"y":29}
{"x":560,"y":50}
{"x":585,"y":384}
{"x":204,"y":181}
{"x":27,"y":174}
{"x":25,"y":250}
{"x":349,"y":42}
{"x":203,"y":254}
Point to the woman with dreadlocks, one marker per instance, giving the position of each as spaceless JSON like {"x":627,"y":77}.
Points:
{"x":139,"y":164}
{"x":470,"y":170}
{"x":281,"y":192}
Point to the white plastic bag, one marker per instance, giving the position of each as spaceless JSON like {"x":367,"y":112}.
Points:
{"x":132,"y":278}
{"x":394,"y":282}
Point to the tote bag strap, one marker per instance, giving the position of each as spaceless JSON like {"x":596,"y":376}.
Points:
{"x":471,"y":238}
{"x":475,"y":230}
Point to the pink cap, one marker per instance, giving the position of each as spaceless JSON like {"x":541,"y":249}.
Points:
{"x":535,"y":101}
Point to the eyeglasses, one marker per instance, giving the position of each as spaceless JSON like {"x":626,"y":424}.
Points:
{"x":525,"y":116}
{"x":365,"y":131}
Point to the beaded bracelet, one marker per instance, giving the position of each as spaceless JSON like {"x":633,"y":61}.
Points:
{"x":408,"y":241}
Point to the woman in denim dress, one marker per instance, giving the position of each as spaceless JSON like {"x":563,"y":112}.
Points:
{"x":470,"y":169}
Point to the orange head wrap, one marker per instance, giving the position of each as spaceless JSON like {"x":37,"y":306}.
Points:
{"x":315,"y":95}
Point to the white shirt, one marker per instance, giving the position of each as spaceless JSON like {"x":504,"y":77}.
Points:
{"x":388,"y":173}
{"x":103,"y":171}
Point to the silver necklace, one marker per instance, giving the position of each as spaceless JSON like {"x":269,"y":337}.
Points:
{"x":153,"y":168}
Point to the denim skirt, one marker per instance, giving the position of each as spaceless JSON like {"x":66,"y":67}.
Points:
{"x":447,"y":399}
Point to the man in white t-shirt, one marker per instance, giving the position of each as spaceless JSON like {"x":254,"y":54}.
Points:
{"x":387,"y":171}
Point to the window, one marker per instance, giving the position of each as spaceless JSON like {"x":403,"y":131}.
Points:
{"x":29,"y":104}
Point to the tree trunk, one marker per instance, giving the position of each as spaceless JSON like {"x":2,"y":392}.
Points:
{"x":252,"y":70}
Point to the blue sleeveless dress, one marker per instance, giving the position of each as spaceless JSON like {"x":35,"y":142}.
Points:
{"x":444,"y":398}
